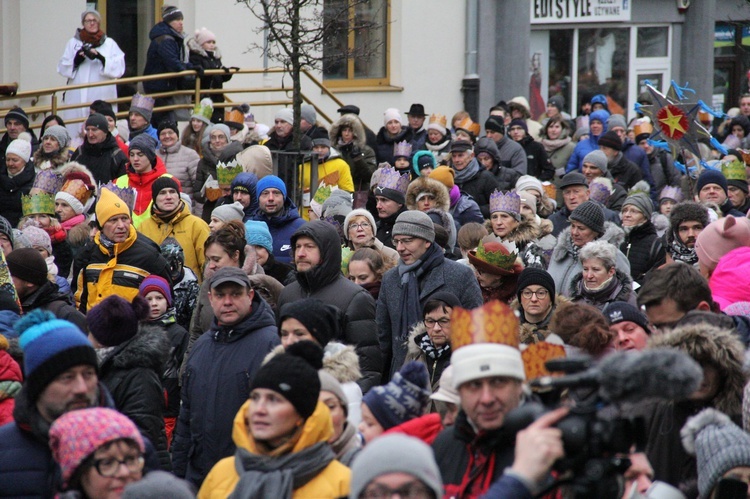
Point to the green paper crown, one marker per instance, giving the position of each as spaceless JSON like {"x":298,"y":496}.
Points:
{"x":227,"y":171}
{"x":38,"y":203}
{"x":322,"y":194}
{"x":734,"y":170}
{"x":491,"y":252}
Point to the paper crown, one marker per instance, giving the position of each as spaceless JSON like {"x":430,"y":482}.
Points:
{"x":468,"y":125}
{"x":390,"y":178}
{"x":76,"y":190}
{"x":204,"y":109}
{"x":438,"y":119}
{"x":536,"y":355}
{"x":734,"y":170}
{"x":509,"y":202}
{"x":495,"y":256}
{"x":670,"y":192}
{"x":599,"y":192}
{"x":47,"y":182}
{"x":143,"y":102}
{"x":322,"y":193}
{"x":402,"y":149}
{"x":225,"y":172}
{"x":41,"y":202}
{"x":643,"y":127}
{"x":127,"y":194}
{"x":494,"y":322}
{"x":234,"y":116}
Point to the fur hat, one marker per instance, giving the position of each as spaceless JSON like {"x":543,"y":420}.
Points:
{"x":114,"y":320}
{"x":688,"y":211}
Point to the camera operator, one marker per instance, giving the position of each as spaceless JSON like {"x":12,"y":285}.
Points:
{"x":476,"y":451}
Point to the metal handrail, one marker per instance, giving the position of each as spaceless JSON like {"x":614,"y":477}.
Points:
{"x":53,"y":107}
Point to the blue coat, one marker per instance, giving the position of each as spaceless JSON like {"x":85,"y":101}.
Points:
{"x":586,"y":146}
{"x":220,"y":368}
{"x":282,"y":227}
{"x":166,"y":54}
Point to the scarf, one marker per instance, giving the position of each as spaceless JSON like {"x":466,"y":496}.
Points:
{"x":164,"y":216}
{"x":373,"y":288}
{"x":430,"y":350}
{"x":682,"y":253}
{"x":346,"y":442}
{"x":263,"y":476}
{"x":467,"y":173}
{"x":411,"y":307}
{"x":600,"y":287}
{"x":551,"y":145}
{"x":167,"y":318}
{"x":95,"y":39}
{"x":72,"y":222}
{"x":106,"y":242}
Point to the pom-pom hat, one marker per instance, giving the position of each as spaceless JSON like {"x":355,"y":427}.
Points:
{"x":114,"y":320}
{"x":403,"y":398}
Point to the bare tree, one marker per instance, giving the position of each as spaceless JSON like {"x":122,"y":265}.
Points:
{"x":308,"y":34}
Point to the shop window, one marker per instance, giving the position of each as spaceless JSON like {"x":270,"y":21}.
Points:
{"x":356,"y":51}
{"x":561,"y":66}
{"x":603,"y":61}
{"x":653,"y":42}
{"x":731,"y":63}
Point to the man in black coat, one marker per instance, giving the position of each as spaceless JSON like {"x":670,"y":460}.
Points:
{"x":471,"y":177}
{"x":100,"y":152}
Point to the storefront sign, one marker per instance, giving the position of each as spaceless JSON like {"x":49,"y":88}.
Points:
{"x":579,"y":11}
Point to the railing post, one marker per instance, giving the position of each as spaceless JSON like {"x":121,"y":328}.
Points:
{"x":197,"y":97}
{"x":54,"y":104}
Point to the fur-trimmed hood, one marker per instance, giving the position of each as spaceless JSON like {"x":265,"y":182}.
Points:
{"x":721,"y":348}
{"x":526,"y":231}
{"x":564,"y":247}
{"x":148,"y":349}
{"x":352,"y":121}
{"x":194,"y":46}
{"x":412,"y":349}
{"x":339,"y":360}
{"x":426,"y":184}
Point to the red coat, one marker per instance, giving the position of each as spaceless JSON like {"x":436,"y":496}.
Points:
{"x":10,"y":382}
{"x":142,"y":182}
{"x":425,"y":428}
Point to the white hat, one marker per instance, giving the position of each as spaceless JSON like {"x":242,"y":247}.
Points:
{"x":446,"y":392}
{"x":21,"y":147}
{"x":392,"y":114}
{"x":486,"y":360}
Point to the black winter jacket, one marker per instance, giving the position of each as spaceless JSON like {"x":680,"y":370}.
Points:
{"x":220,"y":368}
{"x":288,"y":163}
{"x":625,"y":172}
{"x":480,"y":187}
{"x":199,"y":57}
{"x":537,"y":161}
{"x":166,"y":54}
{"x":385,"y":226}
{"x":506,"y":177}
{"x":48,"y":297}
{"x":385,"y":143}
{"x":326,"y":283}
{"x":105,"y":160}
{"x":644,"y":249}
{"x":132,"y":373}
{"x":11,"y":190}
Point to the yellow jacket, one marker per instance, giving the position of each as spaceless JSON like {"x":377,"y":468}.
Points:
{"x":332,"y":482}
{"x":334,"y":171}
{"x":190,"y":232}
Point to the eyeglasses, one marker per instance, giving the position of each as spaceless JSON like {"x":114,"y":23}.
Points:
{"x":412,"y":490}
{"x":541,"y":294}
{"x":404,"y":240}
{"x":430,"y":323}
{"x":363,"y":226}
{"x":90,"y":21}
{"x":109,"y":466}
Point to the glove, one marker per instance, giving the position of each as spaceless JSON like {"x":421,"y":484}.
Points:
{"x":199,"y":70}
{"x":78,"y":59}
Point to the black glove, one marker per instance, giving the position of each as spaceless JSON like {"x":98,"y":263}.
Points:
{"x":199,"y":70}
{"x":78,"y":59}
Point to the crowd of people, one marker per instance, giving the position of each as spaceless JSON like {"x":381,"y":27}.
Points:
{"x":173,"y":324}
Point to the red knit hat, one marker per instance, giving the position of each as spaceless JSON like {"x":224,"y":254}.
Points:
{"x":156,"y":283}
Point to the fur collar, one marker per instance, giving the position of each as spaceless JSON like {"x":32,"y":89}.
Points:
{"x":339,"y":360}
{"x":412,"y":349}
{"x":149,"y":349}
{"x":564,"y":247}
{"x":194,"y":46}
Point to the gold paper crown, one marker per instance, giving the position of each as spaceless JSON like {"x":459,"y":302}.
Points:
{"x":227,"y":171}
{"x":468,"y":125}
{"x":38,"y":203}
{"x":438,"y":119}
{"x":536,"y":355}
{"x":494,"y":322}
{"x":235,"y":116}
{"x":78,"y":189}
{"x":734,"y":170}
{"x":643,"y":127}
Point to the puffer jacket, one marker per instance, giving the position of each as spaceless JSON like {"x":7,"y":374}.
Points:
{"x":326,"y":283}
{"x":182,"y":163}
{"x":166,"y":54}
{"x":331,"y":483}
{"x":465,"y":211}
{"x":565,"y":265}
{"x":105,"y":160}
{"x":220,"y":368}
{"x":132,"y":374}
{"x":537,"y":161}
{"x":119,"y":272}
{"x":357,"y":154}
{"x":11,"y":190}
{"x":190,"y":232}
{"x":511,"y":156}
{"x":644,"y":249}
{"x":281,"y":228}
{"x":386,"y":142}
{"x":620,"y":288}
{"x":575,"y":162}
{"x":10,"y":383}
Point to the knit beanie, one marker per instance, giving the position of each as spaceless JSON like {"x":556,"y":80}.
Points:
{"x":60,"y":133}
{"x":146,"y":144}
{"x":219,"y":127}
{"x":159,"y":485}
{"x":529,"y":183}
{"x":591,"y":215}
{"x":415,"y":224}
{"x":109,"y":205}
{"x":391,"y":114}
{"x":27,"y":264}
{"x":307,"y":113}
{"x":422,"y":160}
{"x":640,"y":199}
{"x":228,"y":212}
{"x":19,"y":114}
{"x":711,"y":177}
{"x":163,"y":182}
{"x":257,"y":234}
{"x":612,"y":140}
{"x":538,"y":277}
{"x":360,"y":212}
{"x":445,"y":175}
{"x":330,"y":384}
{"x":721,"y":237}
{"x":322,"y":141}
{"x":21,"y":147}
{"x":294,"y":375}
{"x":50,"y":347}
{"x":285,"y":114}
{"x":403,"y":398}
{"x":718,"y":445}
{"x":271,"y":181}
{"x":320,"y":319}
{"x":104,"y":108}
{"x":580,"y":132}
{"x":6,"y":229}
{"x":598,"y":159}
{"x":167,"y":124}
{"x":495,"y":124}
{"x":114,"y":320}
{"x":37,"y":238}
{"x":558,"y":101}
{"x":519,"y":122}
{"x":76,"y":435}
{"x":620,"y":311}
{"x":98,"y":121}
{"x":395,"y":453}
{"x":616,"y":120}
{"x":156,"y":283}
{"x":171,"y":13}
{"x":338,"y":203}
{"x":203,"y":35}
